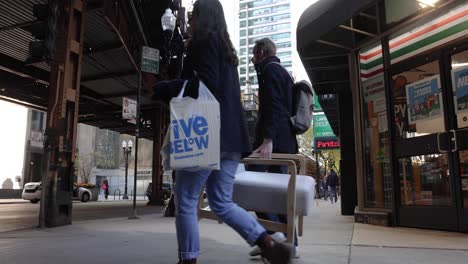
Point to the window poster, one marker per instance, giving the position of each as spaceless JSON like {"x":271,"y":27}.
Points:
{"x":383,"y":124}
{"x":424,"y":99}
{"x":374,"y":90}
{"x":460,"y":88}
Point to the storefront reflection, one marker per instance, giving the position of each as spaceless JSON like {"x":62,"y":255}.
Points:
{"x":464,"y":176}
{"x":425,"y":181}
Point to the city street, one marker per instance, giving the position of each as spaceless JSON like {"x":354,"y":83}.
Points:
{"x":23,"y":215}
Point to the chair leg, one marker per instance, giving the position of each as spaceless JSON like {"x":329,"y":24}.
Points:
{"x":301,"y":224}
{"x":290,"y":226}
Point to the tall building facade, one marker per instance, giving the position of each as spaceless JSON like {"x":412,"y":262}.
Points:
{"x":260,"y":19}
{"x":34,"y":147}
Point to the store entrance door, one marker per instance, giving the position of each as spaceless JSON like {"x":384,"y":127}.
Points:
{"x":458,"y":61}
{"x":430,"y":146}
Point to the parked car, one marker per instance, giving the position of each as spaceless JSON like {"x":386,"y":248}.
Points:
{"x":32,"y":192}
{"x":166,"y":190}
{"x":81,"y":193}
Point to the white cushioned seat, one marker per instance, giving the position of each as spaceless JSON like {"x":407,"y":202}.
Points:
{"x":268,"y":192}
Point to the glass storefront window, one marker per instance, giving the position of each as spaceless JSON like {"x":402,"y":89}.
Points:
{"x":268,"y":29}
{"x":378,"y":172}
{"x":268,"y":10}
{"x":428,"y":33}
{"x":425,"y":181}
{"x":464,"y":176}
{"x":417,"y":101}
{"x":264,"y":2}
{"x":274,"y":37}
{"x":243,"y":33}
{"x":269,"y":19}
{"x":460,"y":87}
{"x":397,"y":10}
{"x":460,"y":93}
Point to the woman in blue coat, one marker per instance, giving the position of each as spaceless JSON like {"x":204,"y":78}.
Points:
{"x":212,"y":59}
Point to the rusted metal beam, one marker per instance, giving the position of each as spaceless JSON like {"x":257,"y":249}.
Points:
{"x":117,"y":95}
{"x":19,"y":25}
{"x":368,"y":16}
{"x":22,"y":103}
{"x":19,"y":68}
{"x":159,"y":123}
{"x":103,"y":48}
{"x":333,"y":44}
{"x":116,"y":16}
{"x":105,"y":76}
{"x":357,"y":30}
{"x":62,"y":114}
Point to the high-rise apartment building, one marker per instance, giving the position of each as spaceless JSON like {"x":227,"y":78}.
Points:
{"x":259,"y":19}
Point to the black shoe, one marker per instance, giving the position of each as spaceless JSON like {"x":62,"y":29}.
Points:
{"x":276,"y":252}
{"x":169,"y":212}
{"x":188,"y":261}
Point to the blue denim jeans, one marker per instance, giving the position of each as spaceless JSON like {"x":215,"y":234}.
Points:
{"x":219,"y":187}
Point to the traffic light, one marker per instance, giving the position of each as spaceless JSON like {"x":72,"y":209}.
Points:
{"x":42,"y":48}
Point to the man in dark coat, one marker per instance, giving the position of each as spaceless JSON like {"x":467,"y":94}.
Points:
{"x":332,"y":182}
{"x":273,"y":132}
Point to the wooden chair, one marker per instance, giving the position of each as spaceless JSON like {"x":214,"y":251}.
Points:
{"x":290,"y":211}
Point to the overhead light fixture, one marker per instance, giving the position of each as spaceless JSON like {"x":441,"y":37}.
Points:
{"x":458,"y":65}
{"x":168,"y":20}
{"x":426,"y":3}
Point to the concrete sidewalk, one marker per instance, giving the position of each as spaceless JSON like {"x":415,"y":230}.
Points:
{"x":100,"y":199}
{"x":13,"y":201}
{"x":328,"y":238}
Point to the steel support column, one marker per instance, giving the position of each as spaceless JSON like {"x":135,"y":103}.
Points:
{"x":349,"y":198}
{"x":62,"y":115}
{"x":358,"y":128}
{"x":159,"y":126}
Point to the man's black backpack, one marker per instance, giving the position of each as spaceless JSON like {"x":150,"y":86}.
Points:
{"x":303,"y":104}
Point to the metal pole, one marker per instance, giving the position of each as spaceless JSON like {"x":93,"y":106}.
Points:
{"x":137,"y":132}
{"x":126,"y":152}
{"x":317,"y":164}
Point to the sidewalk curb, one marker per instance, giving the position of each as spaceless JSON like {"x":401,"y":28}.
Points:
{"x":18,"y":202}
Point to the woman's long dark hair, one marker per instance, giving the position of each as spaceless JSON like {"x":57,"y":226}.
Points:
{"x":212,"y":23}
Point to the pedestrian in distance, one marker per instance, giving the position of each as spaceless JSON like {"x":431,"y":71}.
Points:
{"x":212,"y":57}
{"x":105,"y":188}
{"x":273,"y":132}
{"x":332,"y":182}
{"x":324,"y":187}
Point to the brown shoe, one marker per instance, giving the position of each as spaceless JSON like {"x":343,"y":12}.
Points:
{"x":188,"y":261}
{"x":276,"y":252}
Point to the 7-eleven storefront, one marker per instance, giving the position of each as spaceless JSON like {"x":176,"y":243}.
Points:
{"x":409,"y":84}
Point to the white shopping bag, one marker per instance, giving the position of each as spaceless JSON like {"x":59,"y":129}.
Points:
{"x":194,"y":142}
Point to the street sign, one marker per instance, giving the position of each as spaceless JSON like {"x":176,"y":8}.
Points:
{"x":322,"y":127}
{"x":150,"y":60}
{"x":326,"y":143}
{"x":324,"y":137}
{"x":129,"y":110}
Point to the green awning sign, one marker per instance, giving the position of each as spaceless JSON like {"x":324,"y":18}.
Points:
{"x":317,"y":106}
{"x":322,"y":127}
